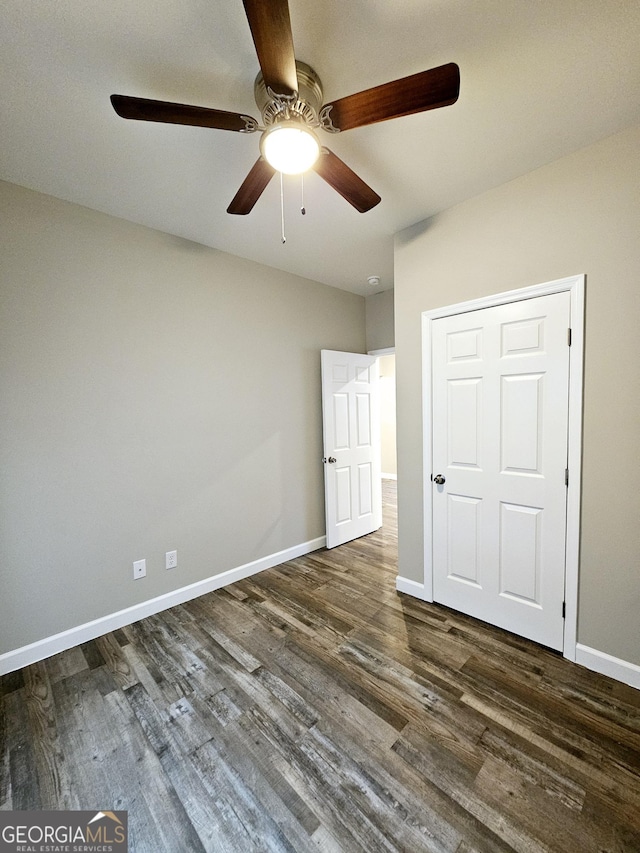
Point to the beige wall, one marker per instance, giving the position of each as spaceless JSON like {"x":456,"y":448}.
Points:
{"x":387,"y":366}
{"x":379,"y":317}
{"x":580,"y":214}
{"x":156,"y":395}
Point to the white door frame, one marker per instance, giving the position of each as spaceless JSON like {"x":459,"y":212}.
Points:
{"x":576,"y":287}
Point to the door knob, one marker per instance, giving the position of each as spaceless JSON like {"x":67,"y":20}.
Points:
{"x":331,"y":459}
{"x":439,"y":479}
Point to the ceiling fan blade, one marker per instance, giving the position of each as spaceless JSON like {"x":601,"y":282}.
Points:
{"x":270,"y":27}
{"x":427,"y":90}
{"x":345,"y":181}
{"x":144,"y":109}
{"x":252,"y":188}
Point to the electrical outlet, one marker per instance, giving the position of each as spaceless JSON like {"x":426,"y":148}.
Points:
{"x":171,"y":559}
{"x":139,"y":569}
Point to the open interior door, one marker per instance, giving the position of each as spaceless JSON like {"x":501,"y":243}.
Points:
{"x":351,"y":425}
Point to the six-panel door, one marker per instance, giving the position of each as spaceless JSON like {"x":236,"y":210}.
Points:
{"x":350,"y":405}
{"x":500,"y":411}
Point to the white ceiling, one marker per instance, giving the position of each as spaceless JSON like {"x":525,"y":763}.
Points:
{"x":539,"y":79}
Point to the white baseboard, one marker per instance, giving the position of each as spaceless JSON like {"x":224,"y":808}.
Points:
{"x":389,"y":476}
{"x":414,"y":588}
{"x":621,"y":670}
{"x":34,"y":652}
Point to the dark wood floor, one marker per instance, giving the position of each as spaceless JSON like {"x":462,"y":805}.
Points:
{"x":314,"y":708}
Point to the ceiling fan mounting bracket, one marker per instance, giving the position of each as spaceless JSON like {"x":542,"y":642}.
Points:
{"x":251,"y":125}
{"x":325,"y":119}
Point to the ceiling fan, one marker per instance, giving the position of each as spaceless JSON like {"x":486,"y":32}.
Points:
{"x":289,"y":96}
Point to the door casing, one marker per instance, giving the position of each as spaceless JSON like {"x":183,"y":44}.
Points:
{"x":576,"y":287}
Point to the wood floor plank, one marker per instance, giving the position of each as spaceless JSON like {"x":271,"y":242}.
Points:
{"x":257,"y":755}
{"x":457,"y":782}
{"x":334,"y":698}
{"x":245,"y":826}
{"x":65,"y":664}
{"x":309,"y":770}
{"x":561,"y":725}
{"x":11,"y":681}
{"x":427,"y":806}
{"x":91,"y":653}
{"x":375,"y":773}
{"x":500,"y":786}
{"x":236,"y":767}
{"x":199,"y":824}
{"x":535,"y":766}
{"x":311,"y":707}
{"x":354,"y":682}
{"x":111,"y":762}
{"x":44,"y":722}
{"x":622,"y":800}
{"x":114,"y":658}
{"x":19,"y":788}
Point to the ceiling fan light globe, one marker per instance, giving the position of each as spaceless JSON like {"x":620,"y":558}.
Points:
{"x":290,"y":147}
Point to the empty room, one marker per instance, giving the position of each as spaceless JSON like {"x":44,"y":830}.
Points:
{"x":319,"y":515}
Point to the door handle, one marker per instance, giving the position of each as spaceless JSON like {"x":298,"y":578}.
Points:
{"x":439,"y":479}
{"x":330,"y":460}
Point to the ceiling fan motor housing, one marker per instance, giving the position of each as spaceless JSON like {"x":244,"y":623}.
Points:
{"x":303,"y":106}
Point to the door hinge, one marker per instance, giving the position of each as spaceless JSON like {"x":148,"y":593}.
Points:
{"x":566,"y":476}
{"x":569,"y":337}
{"x":564,"y":609}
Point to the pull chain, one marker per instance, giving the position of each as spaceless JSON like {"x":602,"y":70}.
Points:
{"x":302,"y":207}
{"x":283,"y":238}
